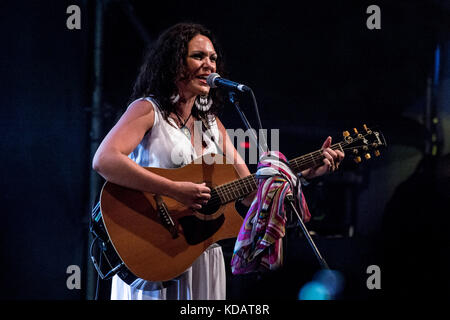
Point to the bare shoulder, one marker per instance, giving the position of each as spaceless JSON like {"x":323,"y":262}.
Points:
{"x":141,"y":107}
{"x":140,"y":113}
{"x":131,"y":127}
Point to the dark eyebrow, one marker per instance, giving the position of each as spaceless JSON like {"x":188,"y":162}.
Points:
{"x":203,"y":53}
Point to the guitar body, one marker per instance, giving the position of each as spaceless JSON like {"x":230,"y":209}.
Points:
{"x":153,"y":251}
{"x":158,"y":238}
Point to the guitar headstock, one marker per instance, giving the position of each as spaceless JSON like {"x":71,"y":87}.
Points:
{"x":363,"y":144}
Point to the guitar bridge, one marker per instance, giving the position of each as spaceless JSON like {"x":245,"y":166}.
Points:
{"x":165,"y":218}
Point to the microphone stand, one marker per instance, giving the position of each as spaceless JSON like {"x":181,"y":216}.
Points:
{"x":235,"y":102}
{"x":324,"y":265}
{"x":289,"y":198}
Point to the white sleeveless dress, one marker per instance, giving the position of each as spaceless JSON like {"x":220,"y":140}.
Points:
{"x":165,"y":146}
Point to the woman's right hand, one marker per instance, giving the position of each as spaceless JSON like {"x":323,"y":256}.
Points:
{"x":192,"y":195}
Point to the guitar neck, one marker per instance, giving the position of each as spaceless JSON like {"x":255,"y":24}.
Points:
{"x":312,"y":159}
{"x":241,"y":187}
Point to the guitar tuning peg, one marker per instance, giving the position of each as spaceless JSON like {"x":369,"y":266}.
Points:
{"x":368,"y":131}
{"x":367,"y":156}
{"x":355,"y":130}
{"x":376,"y":153}
{"x":358,"y":159}
{"x":346,"y":134}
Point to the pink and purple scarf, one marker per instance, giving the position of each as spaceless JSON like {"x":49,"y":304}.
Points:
{"x":259,"y":243}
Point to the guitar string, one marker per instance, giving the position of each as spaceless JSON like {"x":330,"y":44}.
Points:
{"x":229,"y":190}
{"x":232,"y":190}
{"x":242,"y":183}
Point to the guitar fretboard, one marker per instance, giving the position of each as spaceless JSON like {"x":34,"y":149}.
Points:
{"x":236,"y":189}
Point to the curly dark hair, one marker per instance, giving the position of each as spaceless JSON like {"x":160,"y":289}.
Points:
{"x":165,"y":61}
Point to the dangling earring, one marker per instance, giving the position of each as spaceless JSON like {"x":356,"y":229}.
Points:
{"x":174,"y":98}
{"x":203,"y":103}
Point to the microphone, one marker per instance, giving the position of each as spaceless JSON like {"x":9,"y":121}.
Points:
{"x":214,"y":80}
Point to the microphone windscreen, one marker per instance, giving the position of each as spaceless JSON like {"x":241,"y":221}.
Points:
{"x":210,"y":79}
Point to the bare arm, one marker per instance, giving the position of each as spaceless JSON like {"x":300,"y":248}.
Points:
{"x":112,"y":163}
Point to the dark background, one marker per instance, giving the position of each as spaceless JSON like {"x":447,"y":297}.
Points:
{"x":316,"y":70}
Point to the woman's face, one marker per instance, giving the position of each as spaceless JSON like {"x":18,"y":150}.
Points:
{"x":200,"y":62}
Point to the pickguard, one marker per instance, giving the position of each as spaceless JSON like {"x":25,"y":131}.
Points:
{"x":196,"y":230}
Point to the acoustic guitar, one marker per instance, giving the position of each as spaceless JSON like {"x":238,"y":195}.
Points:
{"x":158,"y":238}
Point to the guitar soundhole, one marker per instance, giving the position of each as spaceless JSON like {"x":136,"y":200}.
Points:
{"x":197,"y":230}
{"x":213,"y":204}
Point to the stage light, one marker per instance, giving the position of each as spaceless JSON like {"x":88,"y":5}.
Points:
{"x":331,"y":279}
{"x":325,"y":285}
{"x":314,"y":290}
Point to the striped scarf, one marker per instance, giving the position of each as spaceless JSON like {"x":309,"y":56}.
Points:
{"x":259,"y":243}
